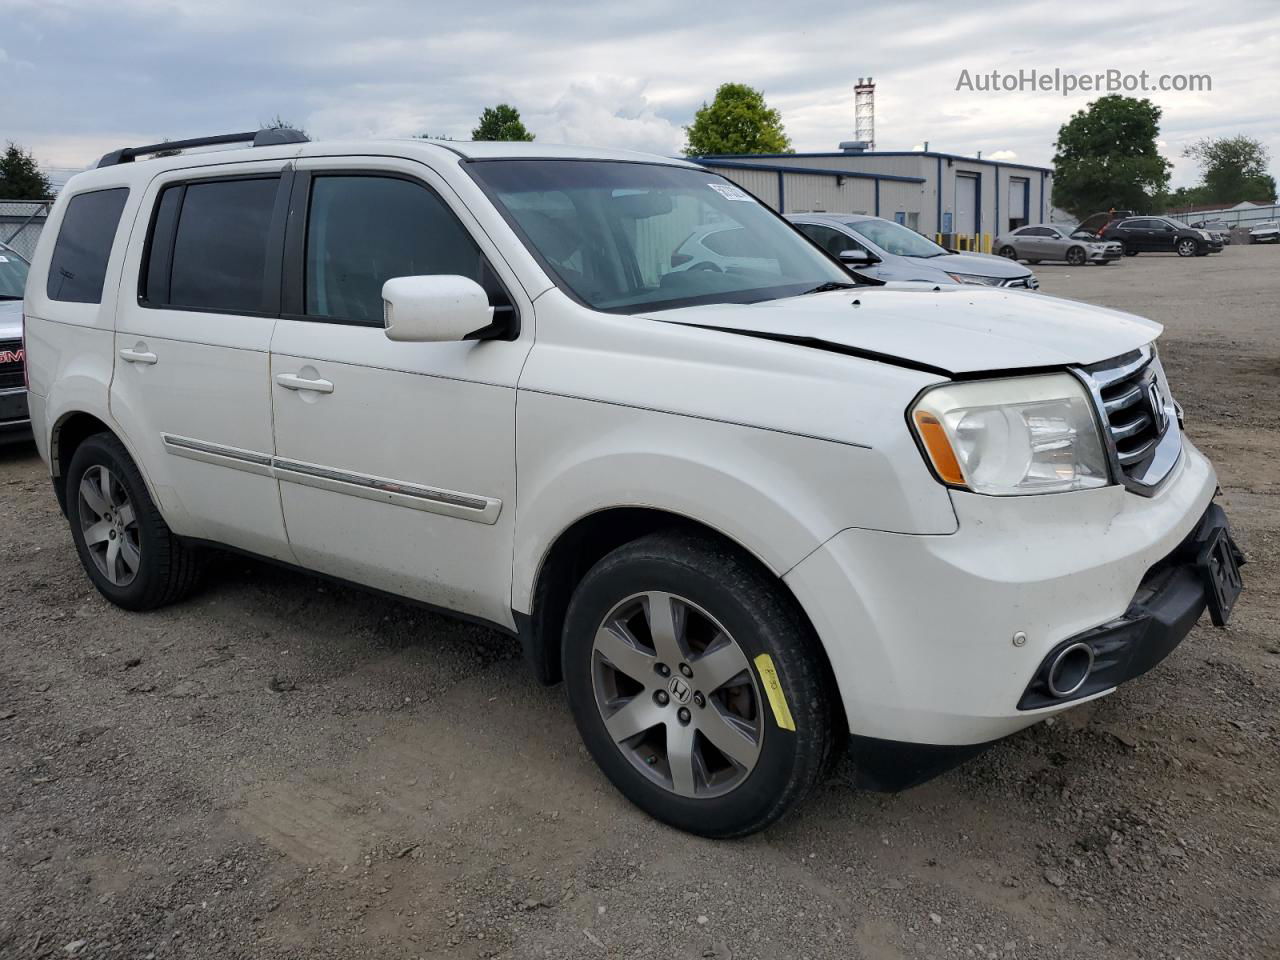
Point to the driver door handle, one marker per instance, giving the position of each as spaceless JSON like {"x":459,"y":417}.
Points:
{"x":291,"y":381}
{"x":137,"y":356}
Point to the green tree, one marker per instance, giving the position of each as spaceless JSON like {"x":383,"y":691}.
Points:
{"x":501,"y":123}
{"x":1106,"y":157}
{"x":1233,"y":169}
{"x":20,"y":178}
{"x":736,"y":121}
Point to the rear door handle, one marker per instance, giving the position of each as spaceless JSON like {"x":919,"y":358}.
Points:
{"x":291,"y":381}
{"x":137,"y":356}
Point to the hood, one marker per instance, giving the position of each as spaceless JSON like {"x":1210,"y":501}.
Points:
{"x":946,"y":329}
{"x":10,"y":319}
{"x":984,"y":265}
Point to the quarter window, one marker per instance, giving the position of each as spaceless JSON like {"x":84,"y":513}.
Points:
{"x":79,"y":263}
{"x":364,"y":230}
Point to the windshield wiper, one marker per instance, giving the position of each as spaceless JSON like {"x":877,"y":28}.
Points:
{"x":829,"y":286}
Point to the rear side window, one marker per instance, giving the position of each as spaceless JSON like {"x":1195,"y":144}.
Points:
{"x":209,"y":246}
{"x":79,"y":263}
{"x":364,"y":230}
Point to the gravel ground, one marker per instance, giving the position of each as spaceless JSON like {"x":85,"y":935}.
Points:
{"x":282,"y":768}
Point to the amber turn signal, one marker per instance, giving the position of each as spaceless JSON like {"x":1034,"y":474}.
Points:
{"x":935,"y":441}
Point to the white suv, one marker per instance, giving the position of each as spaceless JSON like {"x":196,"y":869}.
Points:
{"x":750,"y":512}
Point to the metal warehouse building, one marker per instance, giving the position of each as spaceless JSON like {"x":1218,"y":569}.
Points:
{"x":965,"y":200}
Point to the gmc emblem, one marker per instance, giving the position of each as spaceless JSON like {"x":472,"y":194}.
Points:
{"x":13,"y":356}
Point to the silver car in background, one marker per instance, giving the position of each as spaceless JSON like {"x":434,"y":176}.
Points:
{"x":1268,"y":232}
{"x":1048,"y":241}
{"x":886,"y":250}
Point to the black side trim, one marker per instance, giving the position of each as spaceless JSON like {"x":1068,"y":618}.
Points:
{"x":373,"y":591}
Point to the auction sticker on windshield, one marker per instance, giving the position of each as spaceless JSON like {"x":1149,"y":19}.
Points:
{"x":729,"y":191}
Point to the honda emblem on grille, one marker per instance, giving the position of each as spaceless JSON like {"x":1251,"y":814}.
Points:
{"x":1156,"y":401}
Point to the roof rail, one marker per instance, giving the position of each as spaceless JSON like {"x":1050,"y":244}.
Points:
{"x":268,"y":137}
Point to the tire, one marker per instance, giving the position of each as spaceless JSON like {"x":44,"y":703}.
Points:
{"x":106,"y":498}
{"x":1105,"y":263}
{"x":1076,"y":256}
{"x":1187,"y":248}
{"x":1128,"y":250}
{"x":1034,"y":262}
{"x":1009,"y":252}
{"x":731,"y":612}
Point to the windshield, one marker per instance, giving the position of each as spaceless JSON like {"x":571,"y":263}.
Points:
{"x":896,"y":239}
{"x":13,"y":275}
{"x":628,"y":237}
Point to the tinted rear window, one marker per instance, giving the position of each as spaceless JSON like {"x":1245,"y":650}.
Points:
{"x":79,"y":263}
{"x":220,"y":245}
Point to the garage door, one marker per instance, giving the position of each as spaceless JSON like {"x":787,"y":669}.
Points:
{"x":966,"y":203}
{"x":1019,"y":187}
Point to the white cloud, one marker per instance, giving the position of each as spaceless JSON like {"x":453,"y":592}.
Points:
{"x":607,"y":110}
{"x":1009,"y":155}
{"x":97,"y":76}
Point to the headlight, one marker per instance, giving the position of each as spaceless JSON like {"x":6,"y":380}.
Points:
{"x":974,"y":278}
{"x":1205,"y":234}
{"x":1010,"y":437}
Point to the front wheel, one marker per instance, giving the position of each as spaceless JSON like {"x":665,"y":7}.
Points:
{"x":1129,"y":251}
{"x":697,"y":684}
{"x":124,"y":544}
{"x":1076,"y":256}
{"x":1186,"y":248}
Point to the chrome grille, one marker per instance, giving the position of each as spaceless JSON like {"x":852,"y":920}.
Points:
{"x":1144,"y":437}
{"x":11,"y":367}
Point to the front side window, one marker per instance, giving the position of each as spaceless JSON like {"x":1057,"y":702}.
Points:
{"x":79,"y":263}
{"x":13,"y":275}
{"x":626,"y":237}
{"x":897,"y":239}
{"x":364,"y":230}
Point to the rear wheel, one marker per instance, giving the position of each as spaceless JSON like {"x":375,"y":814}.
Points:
{"x":697,"y":684}
{"x":1009,"y":252}
{"x":124,"y":544}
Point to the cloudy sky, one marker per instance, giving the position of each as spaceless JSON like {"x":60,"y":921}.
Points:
{"x":80,"y":77}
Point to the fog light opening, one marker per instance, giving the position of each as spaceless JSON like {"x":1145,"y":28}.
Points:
{"x":1070,"y":669}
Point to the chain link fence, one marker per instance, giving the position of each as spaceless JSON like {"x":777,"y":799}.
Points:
{"x":21,"y":222}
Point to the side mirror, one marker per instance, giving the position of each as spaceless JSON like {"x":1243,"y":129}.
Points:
{"x":858,"y":257}
{"x":434,"y":309}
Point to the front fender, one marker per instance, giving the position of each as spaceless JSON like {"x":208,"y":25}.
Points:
{"x":776,"y":494}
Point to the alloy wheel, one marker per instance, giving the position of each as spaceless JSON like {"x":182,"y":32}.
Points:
{"x":677,"y":695}
{"x":109,"y":526}
{"x":1187,"y":248}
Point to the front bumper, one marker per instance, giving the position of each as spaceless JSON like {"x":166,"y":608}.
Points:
{"x":935,"y":639}
{"x":15,"y":418}
{"x":1106,"y":255}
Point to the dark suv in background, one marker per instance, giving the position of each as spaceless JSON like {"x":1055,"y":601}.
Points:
{"x":1160,"y":235}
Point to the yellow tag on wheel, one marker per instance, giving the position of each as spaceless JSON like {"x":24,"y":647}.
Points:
{"x":773,"y":690}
